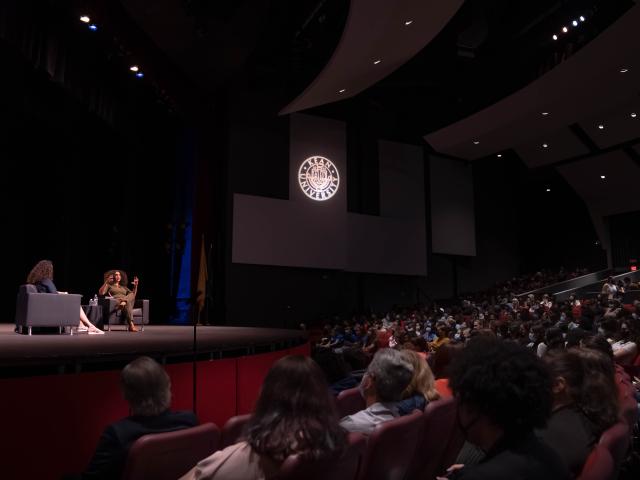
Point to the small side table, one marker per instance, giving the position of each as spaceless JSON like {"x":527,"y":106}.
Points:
{"x":94,"y":314}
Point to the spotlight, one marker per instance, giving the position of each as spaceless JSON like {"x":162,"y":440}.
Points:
{"x":582,"y":19}
{"x":574,"y":23}
{"x":342,"y":90}
{"x":544,"y":114}
{"x":85,"y":19}
{"x":377,"y":62}
{"x":603,"y":177}
{"x":134,"y":68}
{"x":93,"y":27}
{"x":624,"y":70}
{"x":545,"y":145}
{"x":548,"y":189}
{"x":565,"y":29}
{"x":476,"y":142}
{"x":601,"y":127}
{"x":555,"y":37}
{"x":139,"y":74}
{"x":499,"y":155}
{"x":633,"y":115}
{"x":408,"y":22}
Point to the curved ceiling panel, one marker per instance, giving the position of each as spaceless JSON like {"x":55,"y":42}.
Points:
{"x":389,"y":31}
{"x":606,"y":72}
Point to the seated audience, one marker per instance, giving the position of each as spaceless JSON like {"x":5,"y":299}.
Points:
{"x":422,"y":389}
{"x":584,"y":404}
{"x":147,"y":389}
{"x":625,"y":348}
{"x":295,"y":414}
{"x":387,"y":376}
{"x":504,"y":392}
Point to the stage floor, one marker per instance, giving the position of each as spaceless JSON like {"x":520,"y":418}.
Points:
{"x":170,"y":343}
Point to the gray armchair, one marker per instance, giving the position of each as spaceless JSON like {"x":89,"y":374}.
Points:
{"x":113,"y":316}
{"x":35,"y":309}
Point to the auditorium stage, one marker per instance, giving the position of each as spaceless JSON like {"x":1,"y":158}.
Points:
{"x":171,"y":344}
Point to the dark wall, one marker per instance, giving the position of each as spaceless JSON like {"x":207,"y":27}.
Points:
{"x":625,"y":239}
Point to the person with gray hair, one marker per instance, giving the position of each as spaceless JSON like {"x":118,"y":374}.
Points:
{"x":388,"y":374}
{"x":147,"y":389}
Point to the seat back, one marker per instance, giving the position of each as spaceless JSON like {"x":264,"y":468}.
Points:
{"x":234,"y":430}
{"x":35,"y":309}
{"x":442,"y":386}
{"x":169,"y":455}
{"x":598,"y":466}
{"x":391,"y":448}
{"x":439,"y":420}
{"x":616,"y":440}
{"x":113,"y":316}
{"x":349,"y":402}
{"x":344,"y":468}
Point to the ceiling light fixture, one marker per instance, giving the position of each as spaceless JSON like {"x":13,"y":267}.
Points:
{"x":544,"y":114}
{"x":624,"y":70}
{"x":633,"y":115}
{"x":85,"y":19}
{"x":565,"y":29}
{"x":476,"y":142}
{"x":134,"y":68}
{"x":377,"y":62}
{"x":555,"y":37}
{"x":582,"y":19}
{"x":545,"y":145}
{"x":602,"y":177}
{"x":499,"y":155}
{"x":574,"y":23}
{"x":342,"y":90}
{"x":408,"y":22}
{"x":548,"y":189}
{"x":93,"y":27}
{"x":601,"y":127}
{"x":139,"y":74}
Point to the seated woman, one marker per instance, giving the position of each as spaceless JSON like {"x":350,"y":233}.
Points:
{"x":42,"y":277}
{"x":295,"y":414}
{"x":584,"y":403}
{"x":422,"y":388}
{"x":115,"y":285}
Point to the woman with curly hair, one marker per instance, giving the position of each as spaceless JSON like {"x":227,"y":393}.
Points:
{"x":115,"y":285}
{"x":41,"y":276}
{"x":504,"y":393}
{"x":295,"y":414}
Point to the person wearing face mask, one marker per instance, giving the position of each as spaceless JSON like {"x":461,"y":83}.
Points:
{"x":504,"y":393}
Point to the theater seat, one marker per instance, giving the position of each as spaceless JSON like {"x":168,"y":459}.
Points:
{"x":233,"y":430}
{"x":349,"y":402}
{"x":391,"y":448}
{"x":344,"y":468}
{"x":616,"y":440}
{"x":169,"y":455}
{"x":598,"y":466}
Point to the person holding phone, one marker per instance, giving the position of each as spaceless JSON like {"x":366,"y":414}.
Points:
{"x":115,"y":285}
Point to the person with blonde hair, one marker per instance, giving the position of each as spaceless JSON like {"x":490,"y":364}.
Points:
{"x":422,"y":389}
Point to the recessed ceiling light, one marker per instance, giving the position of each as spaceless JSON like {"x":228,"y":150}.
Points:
{"x":545,"y":145}
{"x":85,"y":19}
{"x":565,"y":29}
{"x":555,"y":37}
{"x":139,"y":74}
{"x":548,"y":189}
{"x":601,"y":127}
{"x":499,"y":155}
{"x":633,"y":115}
{"x":624,"y":70}
{"x":476,"y":142}
{"x":93,"y":27}
{"x":134,"y":68}
{"x":544,"y":114}
{"x":574,"y":23}
{"x":408,"y":22}
{"x":603,"y":177}
{"x":342,"y":90}
{"x":582,"y":19}
{"x":377,"y":62}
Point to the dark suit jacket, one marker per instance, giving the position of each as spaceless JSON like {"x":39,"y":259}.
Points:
{"x":111,"y":453}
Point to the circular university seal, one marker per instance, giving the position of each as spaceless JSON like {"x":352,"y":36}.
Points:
{"x":318,"y":178}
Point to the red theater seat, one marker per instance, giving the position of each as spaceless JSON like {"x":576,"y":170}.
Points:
{"x":391,"y":448}
{"x":349,"y":402}
{"x":169,"y":455}
{"x":599,"y":465}
{"x":343,"y":468}
{"x":233,"y":430}
{"x":616,"y":440}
